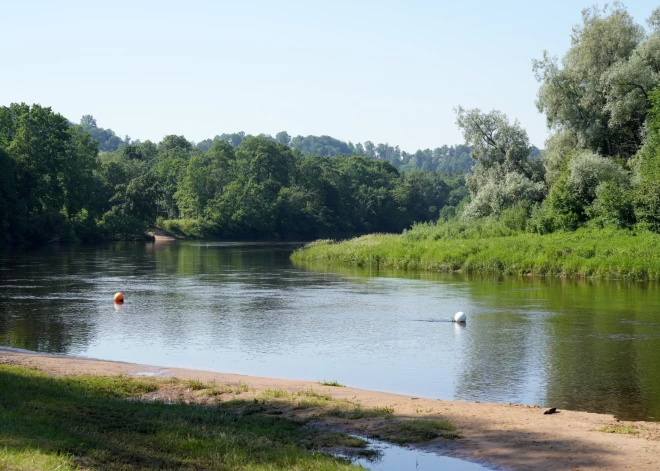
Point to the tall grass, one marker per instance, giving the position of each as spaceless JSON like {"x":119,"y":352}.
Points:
{"x":492,"y":248}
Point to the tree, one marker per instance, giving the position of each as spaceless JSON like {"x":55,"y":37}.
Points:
{"x":319,"y":145}
{"x":283,"y":138}
{"x":205,"y":177}
{"x":133,"y":208}
{"x":600,"y":91}
{"x":504,"y":173}
{"x":106,"y":138}
{"x":9,"y":212}
{"x":174,"y":142}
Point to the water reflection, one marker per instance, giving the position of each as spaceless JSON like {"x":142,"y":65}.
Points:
{"x":245,"y":308}
{"x":397,"y":458}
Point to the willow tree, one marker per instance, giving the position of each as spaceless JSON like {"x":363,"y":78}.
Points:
{"x":597,"y":97}
{"x":505,"y":174}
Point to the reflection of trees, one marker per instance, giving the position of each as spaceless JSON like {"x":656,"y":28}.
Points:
{"x":568,"y":344}
{"x":226,"y":294}
{"x":42,"y":331}
{"x":603,"y":342}
{"x":35,"y":312}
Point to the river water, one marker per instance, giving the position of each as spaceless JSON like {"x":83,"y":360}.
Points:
{"x":245,"y":308}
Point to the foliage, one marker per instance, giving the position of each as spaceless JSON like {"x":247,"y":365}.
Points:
{"x":86,"y":422}
{"x":320,"y":145}
{"x":505,"y":173}
{"x":49,"y":174}
{"x":107,"y":140}
{"x":237,"y":187}
{"x":599,"y":92}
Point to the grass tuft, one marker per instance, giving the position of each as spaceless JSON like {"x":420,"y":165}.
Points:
{"x":195,"y":384}
{"x":620,"y":429}
{"x":419,"y":430}
{"x":358,"y":412}
{"x":332,"y":383}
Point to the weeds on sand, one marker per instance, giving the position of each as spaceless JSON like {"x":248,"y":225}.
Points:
{"x":332,"y":383}
{"x":620,"y":429}
{"x":358,"y":412}
{"x":418,"y":430}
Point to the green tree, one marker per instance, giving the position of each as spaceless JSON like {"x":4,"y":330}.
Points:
{"x":599,"y":92}
{"x":504,"y":174}
{"x":283,"y":138}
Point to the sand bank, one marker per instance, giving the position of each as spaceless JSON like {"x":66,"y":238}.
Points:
{"x":507,"y":436}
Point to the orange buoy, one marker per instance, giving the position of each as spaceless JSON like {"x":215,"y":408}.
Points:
{"x":119,"y":298}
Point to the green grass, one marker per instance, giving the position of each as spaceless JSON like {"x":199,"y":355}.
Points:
{"x":588,"y":252}
{"x":186,"y":228}
{"x":357,"y":412}
{"x":332,"y":383}
{"x":214,"y":389}
{"x":87,"y":423}
{"x":195,"y":384}
{"x":416,"y":430}
{"x":620,"y":429}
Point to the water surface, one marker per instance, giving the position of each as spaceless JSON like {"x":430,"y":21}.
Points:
{"x":245,"y":308}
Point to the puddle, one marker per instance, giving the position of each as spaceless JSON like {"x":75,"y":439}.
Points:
{"x":397,"y":458}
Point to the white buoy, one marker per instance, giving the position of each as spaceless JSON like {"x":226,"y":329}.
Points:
{"x":460,"y":317}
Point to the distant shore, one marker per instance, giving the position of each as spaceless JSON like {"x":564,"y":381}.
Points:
{"x":513,"y":437}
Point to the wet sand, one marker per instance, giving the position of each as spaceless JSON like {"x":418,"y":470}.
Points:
{"x":514,"y":437}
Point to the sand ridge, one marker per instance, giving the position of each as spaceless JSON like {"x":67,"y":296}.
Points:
{"x":510,"y":437}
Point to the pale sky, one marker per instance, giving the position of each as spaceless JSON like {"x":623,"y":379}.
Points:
{"x":355,"y":70}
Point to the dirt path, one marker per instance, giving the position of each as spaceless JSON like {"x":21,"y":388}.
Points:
{"x":507,"y":436}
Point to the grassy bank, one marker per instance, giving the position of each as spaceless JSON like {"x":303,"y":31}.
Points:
{"x":597,"y":253}
{"x":128,"y":423}
{"x":88,"y":423}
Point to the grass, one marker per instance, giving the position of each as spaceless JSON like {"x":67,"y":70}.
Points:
{"x":186,"y":228}
{"x":213,"y":389}
{"x":620,"y":429}
{"x":332,"y":383}
{"x":357,"y":412}
{"x":416,"y":430}
{"x":87,"y":423}
{"x":588,"y":252}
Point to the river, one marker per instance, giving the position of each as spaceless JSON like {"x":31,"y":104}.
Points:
{"x":245,"y":308}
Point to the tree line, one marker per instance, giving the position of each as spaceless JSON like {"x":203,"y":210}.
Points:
{"x":56,"y":185}
{"x":444,"y":159}
{"x":601,"y":165}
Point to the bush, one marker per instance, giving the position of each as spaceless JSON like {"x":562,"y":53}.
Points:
{"x":613,"y":205}
{"x":516,"y":217}
{"x":188,"y":228}
{"x":588,"y":170}
{"x":646,"y":201}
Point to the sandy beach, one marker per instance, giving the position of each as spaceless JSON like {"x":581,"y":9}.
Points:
{"x":509,"y":437}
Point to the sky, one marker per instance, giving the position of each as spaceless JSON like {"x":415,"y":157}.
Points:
{"x":356,"y":70}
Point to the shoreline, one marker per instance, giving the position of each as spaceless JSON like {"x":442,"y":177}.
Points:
{"x":515,"y":437}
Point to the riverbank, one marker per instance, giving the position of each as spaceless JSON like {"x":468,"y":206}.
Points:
{"x":586,"y":253}
{"x":509,"y":436}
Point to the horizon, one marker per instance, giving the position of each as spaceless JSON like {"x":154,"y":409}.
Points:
{"x":153,"y":70}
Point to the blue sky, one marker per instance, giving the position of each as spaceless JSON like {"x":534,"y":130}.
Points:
{"x":361,"y":70}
